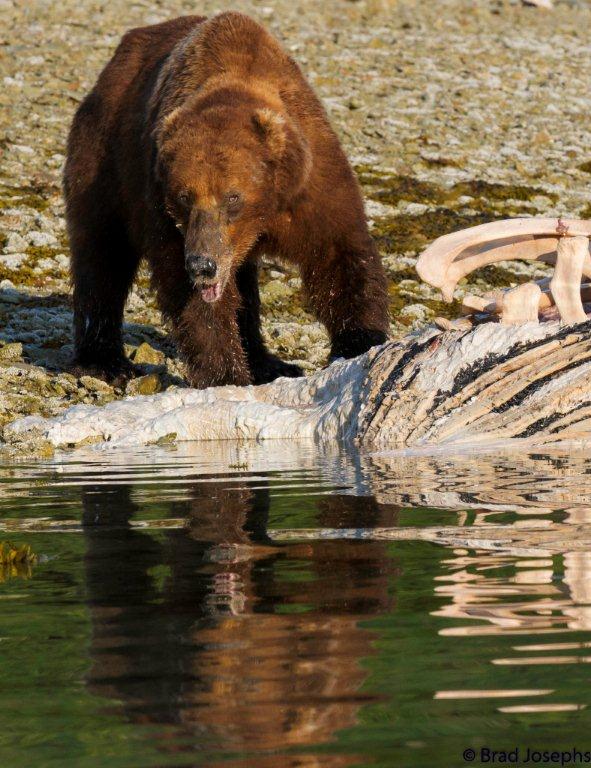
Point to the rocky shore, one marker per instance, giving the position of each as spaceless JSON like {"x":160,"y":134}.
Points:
{"x":453,"y":113}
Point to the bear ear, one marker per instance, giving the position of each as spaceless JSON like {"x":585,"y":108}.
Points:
{"x":270,"y":126}
{"x":164,"y":124}
{"x":290,"y":152}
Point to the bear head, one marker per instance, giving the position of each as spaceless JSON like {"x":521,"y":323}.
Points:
{"x":228,"y":164}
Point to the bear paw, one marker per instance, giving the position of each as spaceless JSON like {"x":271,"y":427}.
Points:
{"x":116,"y":373}
{"x":354,"y":342}
{"x":268,"y":368}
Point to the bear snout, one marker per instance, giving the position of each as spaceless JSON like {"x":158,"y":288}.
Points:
{"x":202,"y":270}
{"x":200,"y":267}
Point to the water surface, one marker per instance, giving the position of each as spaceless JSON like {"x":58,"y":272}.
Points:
{"x":273,"y":606}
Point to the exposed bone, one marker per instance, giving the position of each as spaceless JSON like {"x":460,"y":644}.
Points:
{"x":521,"y":304}
{"x":493,"y":305}
{"x":452,"y":257}
{"x":566,"y":283}
{"x":461,"y":324}
{"x":471,"y":304}
{"x":443,"y":323}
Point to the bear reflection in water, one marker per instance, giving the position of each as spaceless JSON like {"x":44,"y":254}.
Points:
{"x":215,"y":629}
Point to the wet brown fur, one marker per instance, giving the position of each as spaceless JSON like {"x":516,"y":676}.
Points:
{"x":184,"y":112}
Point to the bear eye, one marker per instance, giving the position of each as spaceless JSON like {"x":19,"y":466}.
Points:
{"x":233,"y":198}
{"x":184,"y":199}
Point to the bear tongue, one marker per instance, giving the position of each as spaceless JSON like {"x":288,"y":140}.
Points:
{"x":211,"y":292}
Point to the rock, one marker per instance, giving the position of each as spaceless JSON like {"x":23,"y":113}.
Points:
{"x":416,"y":312}
{"x":41,"y":239}
{"x":57,"y":389}
{"x":548,"y":4}
{"x":32,"y":445}
{"x":542,"y":138}
{"x":45,"y":265}
{"x":144,"y":385}
{"x":15,"y":243}
{"x":95,"y":385}
{"x":374,"y":209}
{"x":416,"y":209}
{"x":10,"y":353}
{"x":275,"y":292}
{"x":21,"y":149}
{"x":13,"y":260}
{"x":147,"y":355}
{"x":68,"y":383}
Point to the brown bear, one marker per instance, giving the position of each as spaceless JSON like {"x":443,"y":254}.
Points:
{"x":200,"y":148}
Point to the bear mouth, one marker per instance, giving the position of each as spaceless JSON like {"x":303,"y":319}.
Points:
{"x":211,"y":292}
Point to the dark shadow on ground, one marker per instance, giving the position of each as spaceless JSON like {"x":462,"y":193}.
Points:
{"x":43,"y":325}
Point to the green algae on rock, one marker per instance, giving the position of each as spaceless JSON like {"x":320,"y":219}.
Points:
{"x":147,"y":355}
{"x":393,"y":189}
{"x":405,"y":232}
{"x":144,"y":385}
{"x":25,"y":196}
{"x":16,"y":561}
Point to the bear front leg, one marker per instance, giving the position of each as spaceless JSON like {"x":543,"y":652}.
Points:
{"x":264,"y":366}
{"x":347,"y":288}
{"x":208,"y":338}
{"x":102,"y":270}
{"x":206,"y":334}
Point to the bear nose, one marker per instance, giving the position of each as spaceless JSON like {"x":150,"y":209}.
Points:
{"x":201,"y":266}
